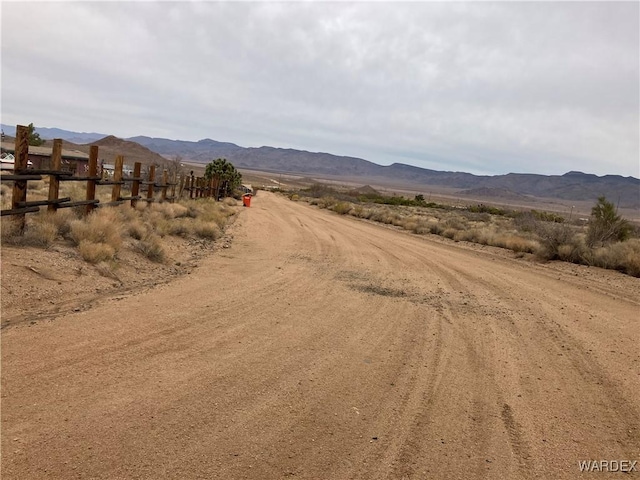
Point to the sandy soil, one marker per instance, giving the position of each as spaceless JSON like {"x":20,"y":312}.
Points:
{"x":324,"y":347}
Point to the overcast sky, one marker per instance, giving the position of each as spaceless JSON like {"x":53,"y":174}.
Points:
{"x":482,"y":87}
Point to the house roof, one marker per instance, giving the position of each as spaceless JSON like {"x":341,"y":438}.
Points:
{"x":46,"y":151}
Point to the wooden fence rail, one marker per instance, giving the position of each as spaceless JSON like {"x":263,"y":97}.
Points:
{"x":197,"y":187}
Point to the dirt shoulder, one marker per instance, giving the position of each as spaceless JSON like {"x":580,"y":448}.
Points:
{"x":321,"y":346}
{"x":41,"y":284}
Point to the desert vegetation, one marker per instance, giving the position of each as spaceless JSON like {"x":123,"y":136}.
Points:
{"x":606,"y":241}
{"x":99,"y":236}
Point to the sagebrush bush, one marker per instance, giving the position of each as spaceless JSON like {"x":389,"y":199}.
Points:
{"x":342,"y":208}
{"x":552,"y":236}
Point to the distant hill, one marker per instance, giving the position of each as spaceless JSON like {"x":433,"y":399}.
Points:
{"x":133,"y":152}
{"x":111,"y":146}
{"x":570,"y":186}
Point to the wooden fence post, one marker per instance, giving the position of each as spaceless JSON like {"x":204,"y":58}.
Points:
{"x":117,"y":177}
{"x":165,"y":182}
{"x":21,"y":152}
{"x":54,"y":180}
{"x":174,"y":182}
{"x":152,"y":179}
{"x":135,"y":186}
{"x":191,"y":185}
{"x":91,"y":183}
{"x":181,"y":189}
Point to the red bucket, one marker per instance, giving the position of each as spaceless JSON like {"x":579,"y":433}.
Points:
{"x":246,"y":200}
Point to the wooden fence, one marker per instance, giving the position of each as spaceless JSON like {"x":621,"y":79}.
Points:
{"x":198,"y":187}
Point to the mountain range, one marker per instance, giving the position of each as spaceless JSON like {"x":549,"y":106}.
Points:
{"x":573,"y":186}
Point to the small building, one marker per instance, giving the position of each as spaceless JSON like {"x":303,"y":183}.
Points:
{"x":108,"y":170}
{"x":40,"y":159}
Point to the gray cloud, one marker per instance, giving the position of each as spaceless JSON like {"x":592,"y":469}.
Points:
{"x":481,"y":87}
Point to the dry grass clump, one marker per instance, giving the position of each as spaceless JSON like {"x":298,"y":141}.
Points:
{"x":41,"y":230}
{"x":622,"y":256}
{"x":230,"y":202}
{"x":103,"y":226}
{"x":94,"y":252}
{"x":170,"y":210}
{"x":41,"y":234}
{"x":151,"y":247}
{"x":181,"y":227}
{"x":207,"y":230}
{"x":136,"y":229}
{"x":5,"y":196}
{"x":38,"y":187}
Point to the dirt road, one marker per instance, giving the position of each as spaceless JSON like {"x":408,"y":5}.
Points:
{"x":324,"y":347}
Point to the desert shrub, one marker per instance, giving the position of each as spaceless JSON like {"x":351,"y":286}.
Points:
{"x":421,"y":226}
{"x":410,"y":223}
{"x":39,"y":234}
{"x":434,"y":227}
{"x":5,"y":195}
{"x":342,"y":208}
{"x":180,"y":227}
{"x":449,"y":232}
{"x":94,"y":252}
{"x":136,"y":229}
{"x":207,"y":230}
{"x":318,"y":190}
{"x":157,"y":222}
{"x":548,"y":216}
{"x":102,"y":226}
{"x":519,"y":244}
{"x":622,"y":256}
{"x":230,"y":202}
{"x":605,"y":225}
{"x":525,"y":222}
{"x":126,"y":213}
{"x":326,"y":202}
{"x":151,"y":247}
{"x":481,"y":208}
{"x":552,"y":236}
{"x":456,"y":223}
{"x":62,"y":220}
{"x":170,"y":210}
{"x":75,"y":190}
{"x":36,"y":185}
{"x":294,"y":197}
{"x":9,"y":230}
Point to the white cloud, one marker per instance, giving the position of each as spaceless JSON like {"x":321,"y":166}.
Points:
{"x":486,"y":87}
